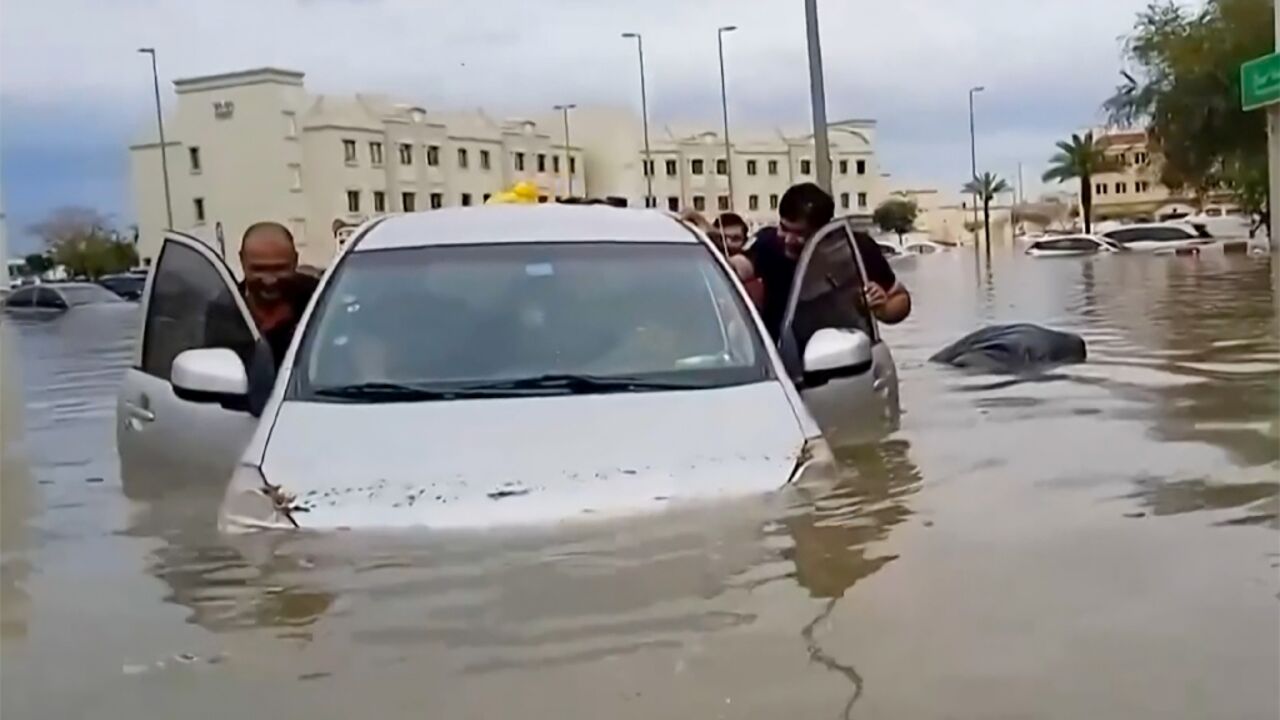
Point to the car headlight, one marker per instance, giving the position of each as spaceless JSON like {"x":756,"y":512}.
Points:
{"x":252,"y":503}
{"x":815,"y":466}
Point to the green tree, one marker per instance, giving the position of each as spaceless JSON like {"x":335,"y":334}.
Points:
{"x":82,"y":240}
{"x":1183,"y":84}
{"x":896,"y":215}
{"x":986,"y":187}
{"x":37,"y":264}
{"x":1079,"y":158}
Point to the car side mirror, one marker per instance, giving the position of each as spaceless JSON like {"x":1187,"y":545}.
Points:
{"x":211,"y":375}
{"x":836,"y":353}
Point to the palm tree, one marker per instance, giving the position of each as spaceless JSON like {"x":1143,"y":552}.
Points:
{"x":1079,"y":158}
{"x":986,"y":187}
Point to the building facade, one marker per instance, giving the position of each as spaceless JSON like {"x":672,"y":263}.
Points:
{"x":248,"y":146}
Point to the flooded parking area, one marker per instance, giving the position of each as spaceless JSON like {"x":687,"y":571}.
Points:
{"x":1096,"y":541}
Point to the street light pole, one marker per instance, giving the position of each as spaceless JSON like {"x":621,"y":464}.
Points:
{"x":650,"y":201}
{"x":817,"y":96}
{"x":568,"y":159}
{"x":164,"y":154}
{"x":973,"y":158}
{"x":724,"y":108}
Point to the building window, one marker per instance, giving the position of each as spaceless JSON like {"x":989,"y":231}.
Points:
{"x":433,"y":155}
{"x":806,"y":167}
{"x":695,"y":166}
{"x":647,"y":166}
{"x":437,"y":201}
{"x":722,"y":166}
{"x":673,"y":203}
{"x":844,"y":200}
{"x":542,"y":162}
{"x":773,"y":201}
{"x":484,"y":159}
{"x":519,"y":161}
{"x":465,"y":200}
{"x":573,"y":165}
{"x":198,"y":206}
{"x":353,"y":201}
{"x":295,"y":177}
{"x":408,"y":202}
{"x":349,"y":152}
{"x":290,"y":125}
{"x":1100,"y":189}
{"x":753,"y":202}
{"x":699,"y":203}
{"x":1121,"y":159}
{"x":862,"y":200}
{"x":862,"y":167}
{"x":462,"y":158}
{"x":543,"y":199}
{"x":672,"y":168}
{"x":485,"y":197}
{"x":406,"y":154}
{"x":1121,"y":188}
{"x":773,"y":167}
{"x":1139,"y":158}
{"x":722,"y":203}
{"x":379,"y":201}
{"x":650,"y":201}
{"x":751,"y":167}
{"x":844,"y":167}
{"x":375,"y":154}
{"x":193,"y":154}
{"x":1140,"y":187}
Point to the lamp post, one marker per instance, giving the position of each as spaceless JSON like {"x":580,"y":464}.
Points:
{"x":817,"y":96}
{"x":568,"y":159}
{"x":973,"y":158}
{"x":724,"y":108}
{"x":650,"y":201}
{"x":164,"y":154}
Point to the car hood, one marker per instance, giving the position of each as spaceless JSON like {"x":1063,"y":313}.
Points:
{"x":532,"y":460}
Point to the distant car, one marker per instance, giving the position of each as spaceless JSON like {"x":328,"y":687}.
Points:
{"x":1066,"y":245}
{"x":1164,"y":236}
{"x":889,"y":250}
{"x":49,"y":299}
{"x":923,"y":247}
{"x":128,"y":286}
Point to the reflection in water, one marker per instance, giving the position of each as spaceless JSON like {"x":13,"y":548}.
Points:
{"x":1031,"y":565}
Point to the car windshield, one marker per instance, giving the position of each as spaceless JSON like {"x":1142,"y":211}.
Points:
{"x":87,"y":294}
{"x":527,"y":318}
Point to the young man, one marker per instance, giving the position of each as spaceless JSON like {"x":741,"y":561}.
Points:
{"x":803,"y":211}
{"x":274,"y":290}
{"x":733,"y":231}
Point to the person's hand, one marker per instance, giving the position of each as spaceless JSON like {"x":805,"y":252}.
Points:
{"x":876,"y":297}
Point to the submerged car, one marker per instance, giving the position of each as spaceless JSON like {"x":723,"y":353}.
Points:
{"x":128,"y":286}
{"x":1159,"y":237}
{"x":56,"y":298}
{"x":503,"y":365}
{"x":1067,"y":245}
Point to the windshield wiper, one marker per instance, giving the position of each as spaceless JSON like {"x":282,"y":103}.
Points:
{"x":580,"y":384}
{"x":386,"y":392}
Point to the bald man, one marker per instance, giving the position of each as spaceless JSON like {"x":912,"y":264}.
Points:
{"x":274,"y":290}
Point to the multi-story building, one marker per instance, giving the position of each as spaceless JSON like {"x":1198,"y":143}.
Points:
{"x":248,"y":146}
{"x":1133,"y":190}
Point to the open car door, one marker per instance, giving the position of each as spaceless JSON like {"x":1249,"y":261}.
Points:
{"x":191,"y":301}
{"x":831,"y":344}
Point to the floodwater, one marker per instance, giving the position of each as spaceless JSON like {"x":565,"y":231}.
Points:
{"x":1099,"y":542}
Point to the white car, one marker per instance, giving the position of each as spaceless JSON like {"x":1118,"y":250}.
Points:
{"x":1068,"y":245}
{"x":923,"y":247}
{"x":1159,"y":237}
{"x":502,"y":365}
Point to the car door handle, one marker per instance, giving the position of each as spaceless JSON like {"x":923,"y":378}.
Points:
{"x":139,"y":413}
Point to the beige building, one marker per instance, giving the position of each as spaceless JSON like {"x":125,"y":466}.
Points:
{"x":254,"y":145}
{"x":1134,"y":191}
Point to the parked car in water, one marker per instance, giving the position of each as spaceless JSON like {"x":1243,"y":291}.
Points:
{"x":1067,"y":245}
{"x":56,"y":298}
{"x":128,"y":286}
{"x":1156,"y":237}
{"x":924,"y":247}
{"x":504,"y":364}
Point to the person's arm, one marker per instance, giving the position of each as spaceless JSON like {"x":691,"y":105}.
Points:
{"x":887,"y":298}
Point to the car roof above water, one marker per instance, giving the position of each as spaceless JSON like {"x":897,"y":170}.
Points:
{"x":544,"y":223}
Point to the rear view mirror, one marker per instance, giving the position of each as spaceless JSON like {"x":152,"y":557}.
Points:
{"x":211,"y":375}
{"x":836,"y":353}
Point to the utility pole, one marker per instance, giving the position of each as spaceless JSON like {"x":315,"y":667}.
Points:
{"x":164,"y":148}
{"x":724,"y":109}
{"x":650,"y":201}
{"x":568,"y":159}
{"x":973,"y":160}
{"x":817,"y":96}
{"x":1273,"y":153}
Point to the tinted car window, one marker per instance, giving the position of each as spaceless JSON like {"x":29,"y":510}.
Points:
{"x":126,"y":286}
{"x":1076,"y":244}
{"x":88,"y":294}
{"x":1151,"y":234}
{"x":831,"y":293}
{"x":456,"y":316}
{"x":46,"y":298}
{"x":21,"y":298}
{"x":191,"y":307}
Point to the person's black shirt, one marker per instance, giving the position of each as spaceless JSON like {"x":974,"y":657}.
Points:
{"x":777,"y":271}
{"x":297,"y":293}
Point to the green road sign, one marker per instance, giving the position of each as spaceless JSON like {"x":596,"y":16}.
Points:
{"x":1260,"y":82}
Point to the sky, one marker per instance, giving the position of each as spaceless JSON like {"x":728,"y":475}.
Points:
{"x":74,"y":93}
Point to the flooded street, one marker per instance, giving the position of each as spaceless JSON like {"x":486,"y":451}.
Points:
{"x":1098,"y":542}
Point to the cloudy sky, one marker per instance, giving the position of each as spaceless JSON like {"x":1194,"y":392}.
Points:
{"x":73,"y":92}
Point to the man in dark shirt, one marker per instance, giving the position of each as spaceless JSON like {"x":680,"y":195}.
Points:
{"x":803,"y":211}
{"x":274,"y":290}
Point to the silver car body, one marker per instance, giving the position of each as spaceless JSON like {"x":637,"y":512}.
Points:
{"x":1158,"y":237}
{"x":1070,"y":245}
{"x":496,"y":461}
